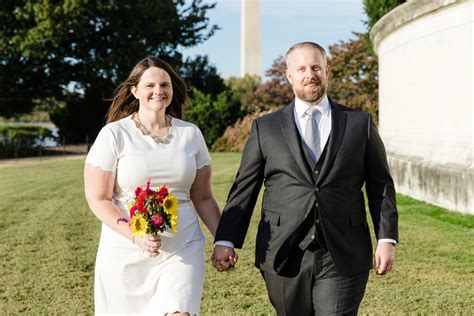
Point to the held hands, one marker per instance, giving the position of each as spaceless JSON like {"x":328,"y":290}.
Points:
{"x":384,"y":257}
{"x":224,"y":258}
{"x":149,"y":243}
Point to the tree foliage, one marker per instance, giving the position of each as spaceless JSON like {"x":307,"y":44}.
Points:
{"x":200,"y":74}
{"x":354,"y":75}
{"x":235,"y":136}
{"x":256,"y":99}
{"x":212,"y":116}
{"x":275,"y":92}
{"x":375,"y":9}
{"x":77,"y":51}
{"x":216,"y":106}
{"x":243,"y":88}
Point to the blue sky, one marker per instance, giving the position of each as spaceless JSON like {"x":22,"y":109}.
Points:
{"x":283,"y":23}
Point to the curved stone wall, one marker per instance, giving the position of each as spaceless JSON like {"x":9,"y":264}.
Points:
{"x":426,"y":94}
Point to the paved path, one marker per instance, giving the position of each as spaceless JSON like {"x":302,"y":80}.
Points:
{"x":36,"y":160}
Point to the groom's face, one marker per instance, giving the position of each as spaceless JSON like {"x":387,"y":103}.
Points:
{"x":308,"y":73}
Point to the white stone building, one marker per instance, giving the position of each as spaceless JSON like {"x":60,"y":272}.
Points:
{"x":426,"y":69}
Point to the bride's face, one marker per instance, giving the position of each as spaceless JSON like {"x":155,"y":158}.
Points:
{"x":154,"y":91}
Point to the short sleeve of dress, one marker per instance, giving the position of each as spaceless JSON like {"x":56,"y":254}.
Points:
{"x":103,"y":153}
{"x":202,"y":157}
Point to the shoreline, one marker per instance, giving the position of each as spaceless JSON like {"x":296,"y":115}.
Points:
{"x":36,"y":160}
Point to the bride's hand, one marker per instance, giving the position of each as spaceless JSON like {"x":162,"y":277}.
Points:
{"x":149,"y":243}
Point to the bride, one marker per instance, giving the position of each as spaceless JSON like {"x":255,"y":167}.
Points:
{"x":145,"y":139}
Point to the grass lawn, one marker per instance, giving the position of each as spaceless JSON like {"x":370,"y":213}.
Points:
{"x":48,"y":240}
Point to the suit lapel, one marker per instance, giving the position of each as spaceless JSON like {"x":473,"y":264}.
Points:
{"x":293,"y":140}
{"x":338,"y":126}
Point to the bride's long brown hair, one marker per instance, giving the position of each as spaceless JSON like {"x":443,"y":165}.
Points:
{"x":124,"y":103}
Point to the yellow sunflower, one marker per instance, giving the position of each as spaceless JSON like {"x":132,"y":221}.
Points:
{"x":170,"y":205}
{"x":174,"y":222}
{"x":133,"y":203}
{"x":139,"y":225}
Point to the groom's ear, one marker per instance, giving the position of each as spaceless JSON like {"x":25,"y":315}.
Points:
{"x":288,"y":75}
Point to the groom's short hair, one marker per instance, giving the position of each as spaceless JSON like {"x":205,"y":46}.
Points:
{"x":305,"y":44}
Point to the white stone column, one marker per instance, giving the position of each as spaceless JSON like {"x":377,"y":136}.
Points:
{"x":250,"y":52}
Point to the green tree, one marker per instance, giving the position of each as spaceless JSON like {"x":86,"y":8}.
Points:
{"x":354,"y":75}
{"x":256,"y":99}
{"x":375,"y":9}
{"x":20,"y":76}
{"x":275,"y":92}
{"x":77,"y":51}
{"x":200,"y":74}
{"x":212,"y":116}
{"x":243,"y":88}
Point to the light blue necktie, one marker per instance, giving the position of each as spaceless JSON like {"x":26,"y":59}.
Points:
{"x":311,"y":134}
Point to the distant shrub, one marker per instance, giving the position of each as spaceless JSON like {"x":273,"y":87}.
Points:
{"x":21,"y":141}
{"x":235,"y":137}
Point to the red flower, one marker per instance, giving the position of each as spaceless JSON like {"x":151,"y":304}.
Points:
{"x":162,"y":193}
{"x":143,"y":210}
{"x":147,"y":189}
{"x":138,"y":191}
{"x":157,"y":220}
{"x":132,"y":210}
{"x":140,"y":200}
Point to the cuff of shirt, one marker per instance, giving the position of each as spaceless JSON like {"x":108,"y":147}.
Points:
{"x":225,"y":243}
{"x":382,"y":240}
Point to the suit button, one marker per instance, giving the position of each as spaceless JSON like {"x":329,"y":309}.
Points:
{"x":317,"y":220}
{"x":317,"y":205}
{"x":317,"y":189}
{"x":316,"y":172}
{"x":312,"y":237}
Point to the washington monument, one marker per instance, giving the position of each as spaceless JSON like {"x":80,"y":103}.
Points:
{"x":250,"y":52}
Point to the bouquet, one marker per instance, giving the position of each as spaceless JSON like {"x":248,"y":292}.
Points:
{"x":153,"y":211}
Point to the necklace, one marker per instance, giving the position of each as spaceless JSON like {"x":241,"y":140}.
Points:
{"x":157,"y":139}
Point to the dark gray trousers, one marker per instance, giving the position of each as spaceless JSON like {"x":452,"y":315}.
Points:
{"x":316,"y":289}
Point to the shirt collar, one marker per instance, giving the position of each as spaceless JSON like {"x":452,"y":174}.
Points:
{"x":323,"y":106}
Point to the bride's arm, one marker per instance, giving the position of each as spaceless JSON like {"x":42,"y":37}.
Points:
{"x":203,"y":199}
{"x":98,"y":187}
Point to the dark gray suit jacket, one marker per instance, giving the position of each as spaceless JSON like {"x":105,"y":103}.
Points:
{"x":273,"y":155}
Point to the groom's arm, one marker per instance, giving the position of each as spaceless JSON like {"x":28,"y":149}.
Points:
{"x":382,"y":200}
{"x":243,"y":195}
{"x":380,"y":188}
{"x":241,"y":201}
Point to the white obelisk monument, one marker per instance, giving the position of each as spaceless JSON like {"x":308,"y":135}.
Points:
{"x":250,"y":52}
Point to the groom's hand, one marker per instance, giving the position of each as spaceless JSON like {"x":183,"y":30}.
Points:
{"x":384,"y":257}
{"x":223,"y":258}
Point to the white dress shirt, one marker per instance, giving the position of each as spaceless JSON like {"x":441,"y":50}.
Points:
{"x":324,"y":122}
{"x":322,"y":117}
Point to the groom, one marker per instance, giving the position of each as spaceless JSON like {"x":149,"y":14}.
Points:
{"x":313,"y":156}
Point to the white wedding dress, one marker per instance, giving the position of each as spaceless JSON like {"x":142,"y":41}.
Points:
{"x":127,"y":280}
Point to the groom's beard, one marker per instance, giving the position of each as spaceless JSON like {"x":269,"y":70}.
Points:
{"x":311,"y":92}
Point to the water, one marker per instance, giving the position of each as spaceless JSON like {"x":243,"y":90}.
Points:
{"x":47,"y":142}
{"x":51,"y":142}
